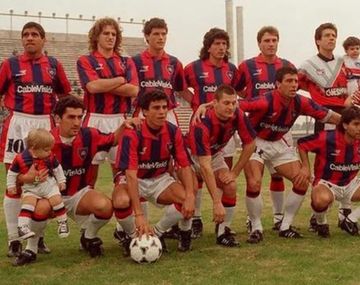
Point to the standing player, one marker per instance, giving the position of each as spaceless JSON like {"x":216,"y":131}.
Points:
{"x":257,"y":76}
{"x":75,"y":147}
{"x":324,"y":77}
{"x":336,"y":168}
{"x":272,"y":116}
{"x":207,"y":139}
{"x":110,"y":83}
{"x":31,"y":83}
{"x":143,"y":159}
{"x":204,"y":75}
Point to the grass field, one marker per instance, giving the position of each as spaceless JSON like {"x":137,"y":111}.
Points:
{"x":275,"y":261}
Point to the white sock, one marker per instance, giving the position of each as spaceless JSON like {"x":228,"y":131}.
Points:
{"x":171,"y":217}
{"x":145,"y":208}
{"x":127,"y":225}
{"x":355,"y":215}
{"x":254,"y":207}
{"x":198,"y":197}
{"x":321,"y":218}
{"x":62,"y":217}
{"x":277,"y":199}
{"x":38,"y":228}
{"x":24,"y":220}
{"x":185,"y":225}
{"x":229,"y":213}
{"x":94,"y":226}
{"x":11,"y":210}
{"x":292,"y":205}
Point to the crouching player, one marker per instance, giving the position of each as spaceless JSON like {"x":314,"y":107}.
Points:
{"x":337,"y":163}
{"x":143,"y":159}
{"x":207,"y":139}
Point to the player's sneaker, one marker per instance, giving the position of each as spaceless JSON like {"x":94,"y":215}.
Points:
{"x":15,"y":248}
{"x":184,"y":243}
{"x":172,"y":233}
{"x":227,"y":239}
{"x":344,"y":212}
{"x":217,"y":230}
{"x":312,"y":224}
{"x":278,"y":217}
{"x":93,"y":245}
{"x":42,"y":247}
{"x":290,"y":233}
{"x":196,"y":228}
{"x":63,"y":229}
{"x":350,"y":227}
{"x":124,"y":241}
{"x":248,"y":225}
{"x":323,"y":231}
{"x":25,"y":257}
{"x":24,"y":232}
{"x":255,"y":237}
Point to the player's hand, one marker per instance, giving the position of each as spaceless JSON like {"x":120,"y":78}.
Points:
{"x":218,"y":213}
{"x":34,"y":176}
{"x":227,"y":177}
{"x":62,"y":186}
{"x":188,"y":207}
{"x":12,"y":190}
{"x":302,"y":179}
{"x":133,"y":123}
{"x":142,"y":226}
{"x":200,"y":112}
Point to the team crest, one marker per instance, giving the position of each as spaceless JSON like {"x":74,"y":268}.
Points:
{"x":170,"y":69}
{"x":122,"y":65}
{"x":52,"y":72}
{"x":99,"y":67}
{"x":83,"y":152}
{"x":230,"y":74}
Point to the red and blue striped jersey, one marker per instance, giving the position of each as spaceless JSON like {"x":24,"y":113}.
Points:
{"x":32,"y":86}
{"x":210,"y":136}
{"x":149,"y":152}
{"x":258,"y":76}
{"x":272,"y":116}
{"x":95,"y":66}
{"x":75,"y":158}
{"x":165,"y":72}
{"x":336,"y":160}
{"x":204,"y":77}
{"x":23,"y":161}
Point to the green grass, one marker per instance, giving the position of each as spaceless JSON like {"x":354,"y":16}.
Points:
{"x":274,"y":261}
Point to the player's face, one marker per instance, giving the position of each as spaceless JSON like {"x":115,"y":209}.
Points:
{"x":32,"y":42}
{"x":225,"y":107}
{"x":268,"y":44}
{"x":352,"y":130}
{"x":70,"y":122}
{"x":42,"y":153}
{"x":157,"y":39}
{"x":156,"y":115}
{"x":327,"y":41}
{"x":217,"y":50}
{"x":353,"y":52}
{"x":107,"y":38}
{"x":288,"y":85}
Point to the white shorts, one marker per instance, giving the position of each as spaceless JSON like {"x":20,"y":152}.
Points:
{"x":151,"y":188}
{"x":170,"y":117}
{"x":16,"y":128}
{"x":46,"y":189}
{"x":342,"y":193}
{"x":230,"y":148}
{"x":106,"y":124}
{"x":71,"y":204}
{"x":217,"y":162}
{"x":274,"y":153}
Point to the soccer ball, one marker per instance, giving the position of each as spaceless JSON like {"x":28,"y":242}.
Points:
{"x":146,"y":250}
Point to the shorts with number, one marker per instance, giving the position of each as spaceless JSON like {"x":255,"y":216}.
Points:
{"x":217,"y":162}
{"x":274,"y":153}
{"x":16,"y":128}
{"x":342,"y":193}
{"x":151,"y":188}
{"x":46,"y":189}
{"x":105,"y":124}
{"x":71,"y":204}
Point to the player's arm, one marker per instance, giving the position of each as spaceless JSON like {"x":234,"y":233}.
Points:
{"x":334,"y":118}
{"x":208,"y":175}
{"x":126,"y":90}
{"x":201,"y":111}
{"x":11,"y":178}
{"x":33,"y":175}
{"x":103,"y":85}
{"x":247,"y":151}
{"x":186,"y":94}
{"x":131,"y":123}
{"x":304,"y":174}
{"x":186,"y":178}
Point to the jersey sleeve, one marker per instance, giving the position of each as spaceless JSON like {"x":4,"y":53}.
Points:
{"x":127,"y":153}
{"x":180,"y":83}
{"x":4,"y":76}
{"x":310,"y":108}
{"x":59,"y":174}
{"x":131,"y":73}
{"x":86,"y":72}
{"x":63,"y":86}
{"x":244,"y":128}
{"x":103,"y":141}
{"x":199,"y":140}
{"x":311,"y":143}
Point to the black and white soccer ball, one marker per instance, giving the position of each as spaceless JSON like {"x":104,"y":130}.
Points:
{"x":145,"y":250}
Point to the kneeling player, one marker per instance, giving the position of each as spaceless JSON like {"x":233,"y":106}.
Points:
{"x":336,"y":167}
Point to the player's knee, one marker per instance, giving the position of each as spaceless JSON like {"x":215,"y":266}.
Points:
{"x":121,"y":201}
{"x":253,"y":185}
{"x":43,"y":208}
{"x":103,"y":207}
